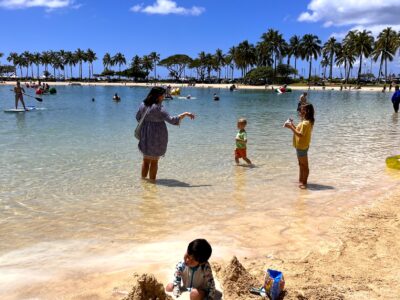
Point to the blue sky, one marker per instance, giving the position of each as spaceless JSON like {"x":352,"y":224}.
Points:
{"x":181,"y":26}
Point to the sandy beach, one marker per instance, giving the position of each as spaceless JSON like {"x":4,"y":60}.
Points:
{"x":214,"y":86}
{"x":362,"y":264}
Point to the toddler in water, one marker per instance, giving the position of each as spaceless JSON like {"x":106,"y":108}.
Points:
{"x":194,"y":273}
{"x":241,"y":142}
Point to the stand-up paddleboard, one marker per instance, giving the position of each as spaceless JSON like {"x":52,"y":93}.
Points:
{"x":19,"y":110}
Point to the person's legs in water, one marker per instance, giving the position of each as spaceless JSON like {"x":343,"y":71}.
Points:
{"x":153,"y":169}
{"x":302,"y":156}
{"x":304,"y":171}
{"x":19,"y":98}
{"x":396,"y":107}
{"x":247,"y":160}
{"x":145,"y":167}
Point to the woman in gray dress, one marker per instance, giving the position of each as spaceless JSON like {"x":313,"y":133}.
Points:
{"x":154,"y":134}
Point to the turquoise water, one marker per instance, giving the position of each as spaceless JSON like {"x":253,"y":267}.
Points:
{"x":70,"y":174}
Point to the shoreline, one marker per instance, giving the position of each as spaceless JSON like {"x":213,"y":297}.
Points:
{"x":268,"y":88}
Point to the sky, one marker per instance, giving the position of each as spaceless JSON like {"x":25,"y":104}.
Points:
{"x":138,"y":27}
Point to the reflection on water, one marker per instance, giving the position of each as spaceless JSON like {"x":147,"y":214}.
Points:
{"x":70,"y":176}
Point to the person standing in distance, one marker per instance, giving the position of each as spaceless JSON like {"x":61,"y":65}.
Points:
{"x":396,"y":99}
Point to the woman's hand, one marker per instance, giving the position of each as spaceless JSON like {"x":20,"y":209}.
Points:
{"x":186,"y":114}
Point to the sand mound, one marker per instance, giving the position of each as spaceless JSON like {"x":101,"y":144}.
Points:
{"x":146,"y":287}
{"x":235,"y":280}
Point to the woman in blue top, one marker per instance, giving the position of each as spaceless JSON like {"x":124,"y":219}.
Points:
{"x":154,"y":134}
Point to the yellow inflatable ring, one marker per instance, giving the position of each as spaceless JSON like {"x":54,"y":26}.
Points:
{"x":393,"y":162}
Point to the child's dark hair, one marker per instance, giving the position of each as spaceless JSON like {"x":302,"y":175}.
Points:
{"x":200,"y":249}
{"x":154,"y":94}
{"x":309,"y":112}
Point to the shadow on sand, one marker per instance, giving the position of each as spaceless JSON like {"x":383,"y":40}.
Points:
{"x":177,"y":183}
{"x":319,"y":187}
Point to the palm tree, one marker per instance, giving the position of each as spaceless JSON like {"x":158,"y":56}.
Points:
{"x":107,"y":61}
{"x":263,"y":54}
{"x":61,"y":54}
{"x":46,"y":60}
{"x":23,"y":62}
{"x":310,"y":49}
{"x":156,"y":58}
{"x":80,"y":56}
{"x":54,"y":61}
{"x":36,"y":59}
{"x":345,"y":56}
{"x":324,"y":63}
{"x":245,"y":57}
{"x":294,"y":49}
{"x":147,"y":63}
{"x":26,"y":57}
{"x":119,"y":59}
{"x":69,"y":59}
{"x":231,"y":60}
{"x":362,"y":43}
{"x":330,"y":49}
{"x":14,"y":58}
{"x":277,"y":44}
{"x":91,"y":57}
{"x":219,"y":62}
{"x":57,"y":62}
{"x":201,"y":64}
{"x":385,"y":47}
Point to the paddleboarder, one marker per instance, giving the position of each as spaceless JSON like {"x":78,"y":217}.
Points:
{"x":19,"y":91}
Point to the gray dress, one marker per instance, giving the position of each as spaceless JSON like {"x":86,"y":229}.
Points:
{"x":154,"y":134}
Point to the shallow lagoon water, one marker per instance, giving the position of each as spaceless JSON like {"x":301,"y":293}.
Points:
{"x":71,"y":195}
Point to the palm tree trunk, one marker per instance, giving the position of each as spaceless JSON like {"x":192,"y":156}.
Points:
{"x":385,"y":68}
{"x":359,"y":70}
{"x":380,"y":68}
{"x":295,"y":65}
{"x":37,"y":66}
{"x":309,"y":71}
{"x":331,"y":67}
{"x":348,"y":73}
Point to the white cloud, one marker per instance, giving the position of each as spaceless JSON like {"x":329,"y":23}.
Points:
{"x":352,"y":12}
{"x":166,"y":7}
{"x":375,"y":30}
{"x":48,"y":4}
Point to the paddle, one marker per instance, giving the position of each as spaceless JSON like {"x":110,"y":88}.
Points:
{"x":37,"y":98}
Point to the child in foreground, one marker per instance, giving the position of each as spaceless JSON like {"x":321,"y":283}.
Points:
{"x":194,"y":273}
{"x":302,"y":139}
{"x":241,"y":142}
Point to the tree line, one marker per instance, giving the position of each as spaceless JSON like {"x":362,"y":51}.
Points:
{"x":270,"y":57}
